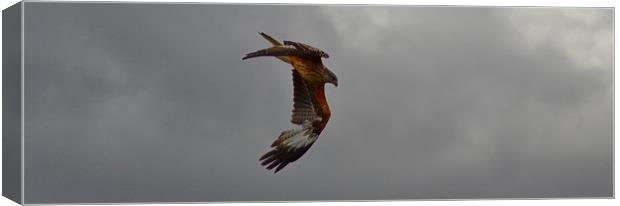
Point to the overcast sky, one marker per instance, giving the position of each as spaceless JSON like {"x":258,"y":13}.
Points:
{"x":143,"y":102}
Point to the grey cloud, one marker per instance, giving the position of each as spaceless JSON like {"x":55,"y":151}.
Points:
{"x":138,"y":102}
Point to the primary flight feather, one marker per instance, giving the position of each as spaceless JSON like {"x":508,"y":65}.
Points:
{"x":310,"y":109}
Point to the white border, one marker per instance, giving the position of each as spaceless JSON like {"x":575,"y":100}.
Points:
{"x":22,"y":103}
{"x":568,"y":3}
{"x":565,"y":3}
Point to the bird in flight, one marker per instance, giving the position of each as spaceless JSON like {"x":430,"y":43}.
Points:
{"x":310,"y":109}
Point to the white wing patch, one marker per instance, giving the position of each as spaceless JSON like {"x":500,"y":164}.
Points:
{"x":296,"y":138}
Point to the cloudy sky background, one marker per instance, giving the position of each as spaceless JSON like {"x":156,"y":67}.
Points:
{"x":139,"y":102}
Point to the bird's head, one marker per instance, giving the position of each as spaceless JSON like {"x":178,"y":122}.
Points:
{"x":330,"y":77}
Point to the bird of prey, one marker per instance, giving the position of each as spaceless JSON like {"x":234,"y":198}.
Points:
{"x":310,"y":109}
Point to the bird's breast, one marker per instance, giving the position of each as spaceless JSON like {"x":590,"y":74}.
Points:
{"x":308,"y":70}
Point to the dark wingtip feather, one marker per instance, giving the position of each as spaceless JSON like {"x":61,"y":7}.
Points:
{"x":280,"y":158}
{"x":268,"y":154}
{"x":275,"y":163}
{"x":282,"y":165}
{"x":276,"y":159}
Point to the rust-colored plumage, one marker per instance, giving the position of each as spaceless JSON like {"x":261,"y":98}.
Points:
{"x":310,"y":109}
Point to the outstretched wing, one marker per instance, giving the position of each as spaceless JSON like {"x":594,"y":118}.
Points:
{"x":293,"y":143}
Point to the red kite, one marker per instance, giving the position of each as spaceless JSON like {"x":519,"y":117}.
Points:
{"x":310,"y":109}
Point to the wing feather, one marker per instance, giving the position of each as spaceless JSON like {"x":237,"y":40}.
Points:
{"x":289,"y":147}
{"x":303,"y":108}
{"x":289,"y":48}
{"x":308,"y":50}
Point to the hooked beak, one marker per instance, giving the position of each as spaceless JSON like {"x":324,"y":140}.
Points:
{"x":331,"y":78}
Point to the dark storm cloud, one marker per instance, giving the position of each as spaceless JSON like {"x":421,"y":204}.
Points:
{"x":139,"y":102}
